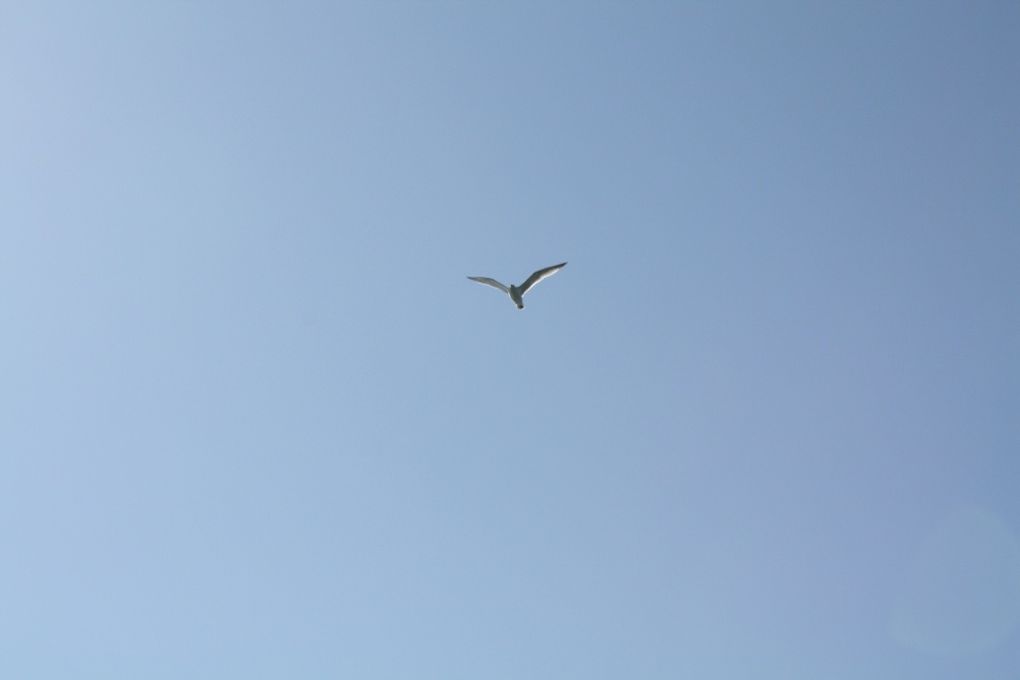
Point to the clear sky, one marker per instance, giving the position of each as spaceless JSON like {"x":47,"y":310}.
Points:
{"x":256,"y":423}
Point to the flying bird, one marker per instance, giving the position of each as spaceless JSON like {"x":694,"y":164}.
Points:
{"x":516,"y":293}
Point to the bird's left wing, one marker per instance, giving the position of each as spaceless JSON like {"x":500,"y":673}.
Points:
{"x":539,"y":275}
{"x":490,"y":282}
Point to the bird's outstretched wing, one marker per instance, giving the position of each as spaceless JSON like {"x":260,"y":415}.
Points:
{"x":490,"y":282}
{"x":539,"y":275}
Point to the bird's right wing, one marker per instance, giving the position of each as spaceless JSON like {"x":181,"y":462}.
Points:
{"x":490,"y":282}
{"x":539,"y":275}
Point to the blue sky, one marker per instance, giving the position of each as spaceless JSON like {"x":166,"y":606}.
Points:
{"x":255,"y":422}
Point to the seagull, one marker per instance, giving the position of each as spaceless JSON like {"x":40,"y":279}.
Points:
{"x":516,"y":293}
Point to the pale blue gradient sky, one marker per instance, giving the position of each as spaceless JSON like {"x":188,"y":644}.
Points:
{"x":255,"y":423}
